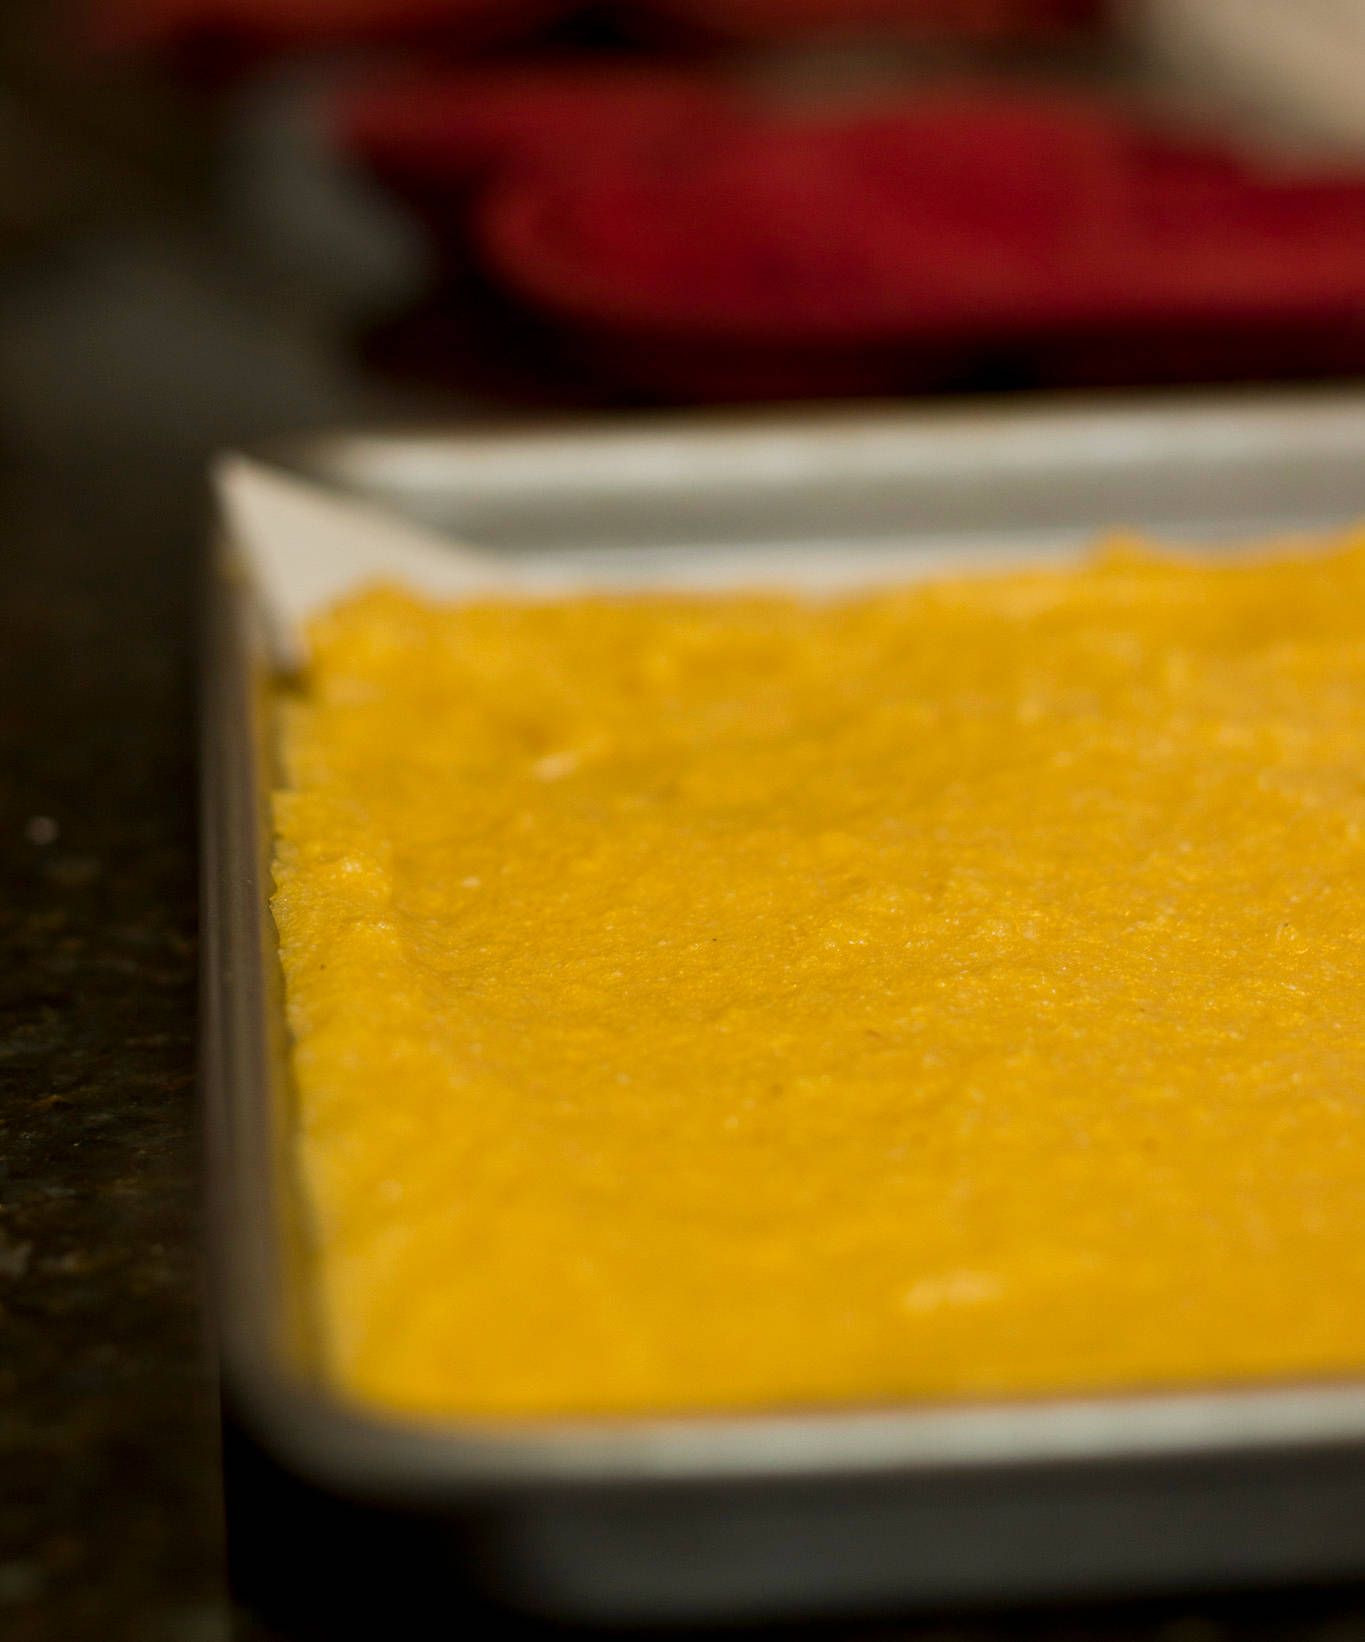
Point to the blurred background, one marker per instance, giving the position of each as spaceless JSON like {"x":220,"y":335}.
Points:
{"x":225,"y":219}
{"x":271,"y":211}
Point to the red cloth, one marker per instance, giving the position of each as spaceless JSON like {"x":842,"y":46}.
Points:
{"x":965,"y":215}
{"x":981,"y":20}
{"x":288,"y":24}
{"x":448,"y":129}
{"x":699,"y":243}
{"x":962,"y":215}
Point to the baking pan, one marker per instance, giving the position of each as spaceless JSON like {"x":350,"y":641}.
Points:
{"x":760,"y":1516}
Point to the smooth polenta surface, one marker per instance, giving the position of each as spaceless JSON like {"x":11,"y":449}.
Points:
{"x":718,"y":1002}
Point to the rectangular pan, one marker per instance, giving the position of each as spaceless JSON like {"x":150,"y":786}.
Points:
{"x":679,"y":1520}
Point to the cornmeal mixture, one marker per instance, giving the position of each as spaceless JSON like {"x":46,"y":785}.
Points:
{"x":711,"y":1002}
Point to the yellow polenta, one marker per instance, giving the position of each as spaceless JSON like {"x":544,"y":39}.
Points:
{"x":713,"y":1002}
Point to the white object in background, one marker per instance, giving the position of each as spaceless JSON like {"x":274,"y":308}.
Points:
{"x":303,"y":547}
{"x":1298,"y":63}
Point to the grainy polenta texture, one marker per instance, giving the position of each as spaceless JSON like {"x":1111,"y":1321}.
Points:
{"x":728,"y":1002}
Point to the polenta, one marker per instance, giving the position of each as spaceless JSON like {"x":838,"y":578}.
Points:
{"x":719,"y":1002}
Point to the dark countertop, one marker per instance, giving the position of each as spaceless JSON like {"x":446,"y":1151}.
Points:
{"x":121,"y":369}
{"x":108,"y":1489}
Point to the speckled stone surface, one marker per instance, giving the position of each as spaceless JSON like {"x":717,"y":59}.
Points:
{"x":126,"y":359}
{"x":109,"y":1519}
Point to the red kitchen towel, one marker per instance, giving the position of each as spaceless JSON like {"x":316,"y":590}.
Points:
{"x":982,"y":20}
{"x":446,"y":130}
{"x":257,"y":25}
{"x":964,"y":214}
{"x":676,"y":227}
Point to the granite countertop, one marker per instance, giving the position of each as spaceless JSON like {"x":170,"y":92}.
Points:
{"x":108,"y":1484}
{"x":124,"y":362}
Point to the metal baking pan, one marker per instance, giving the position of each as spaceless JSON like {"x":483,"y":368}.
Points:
{"x":679,"y":1520}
